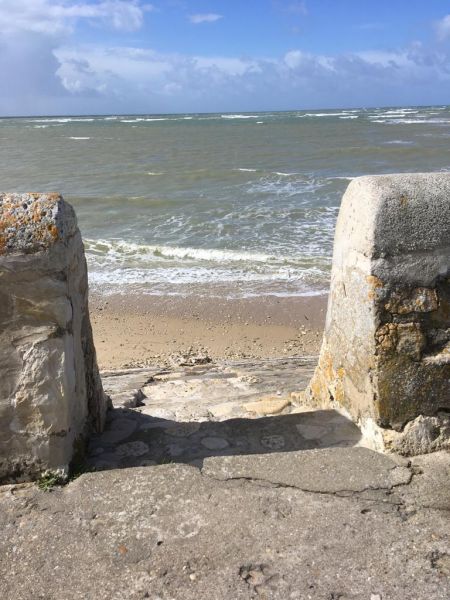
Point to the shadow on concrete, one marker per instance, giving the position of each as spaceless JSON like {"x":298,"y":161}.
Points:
{"x":134,"y":439}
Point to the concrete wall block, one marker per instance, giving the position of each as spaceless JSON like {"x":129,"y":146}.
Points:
{"x":385,"y":357}
{"x":50,"y":390}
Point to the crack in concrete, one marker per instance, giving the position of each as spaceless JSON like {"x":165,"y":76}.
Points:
{"x":353,"y":494}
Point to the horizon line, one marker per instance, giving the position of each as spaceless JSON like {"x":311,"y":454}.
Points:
{"x":137,"y":114}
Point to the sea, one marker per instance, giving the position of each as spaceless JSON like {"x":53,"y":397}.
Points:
{"x":221,"y":205}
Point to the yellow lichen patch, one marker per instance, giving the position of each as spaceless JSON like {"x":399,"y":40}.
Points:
{"x":27,"y":222}
{"x":374,"y":281}
{"x":374,"y":285}
{"x":419,"y":299}
{"x":386,"y":338}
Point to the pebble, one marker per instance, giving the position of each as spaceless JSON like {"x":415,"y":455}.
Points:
{"x":267,"y":406}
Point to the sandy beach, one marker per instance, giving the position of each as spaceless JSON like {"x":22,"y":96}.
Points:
{"x":137,"y":330}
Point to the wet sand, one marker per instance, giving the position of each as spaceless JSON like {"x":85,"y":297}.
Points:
{"x":132,"y":331}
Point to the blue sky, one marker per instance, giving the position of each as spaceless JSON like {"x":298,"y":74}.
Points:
{"x":124,"y":56}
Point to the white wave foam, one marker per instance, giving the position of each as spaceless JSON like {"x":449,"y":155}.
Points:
{"x":246,"y":170}
{"x":61,"y":120}
{"x":332,"y":114}
{"x":412,"y":121}
{"x":350,"y":117}
{"x":79,"y":138}
{"x":239,"y":116}
{"x":119,"y":248}
{"x":147,"y":120}
{"x":118,"y":253}
{"x":276,"y":184}
{"x":281,"y":174}
{"x":400,"y":142}
{"x":155,"y":173}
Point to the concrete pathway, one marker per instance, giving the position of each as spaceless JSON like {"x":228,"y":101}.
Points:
{"x":189,"y":413}
{"x":272,"y":503}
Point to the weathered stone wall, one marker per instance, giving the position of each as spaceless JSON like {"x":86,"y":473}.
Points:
{"x":385,"y":357}
{"x":50,"y":390}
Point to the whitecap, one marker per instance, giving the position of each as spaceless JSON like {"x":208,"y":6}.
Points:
{"x":239,"y":116}
{"x":79,"y":138}
{"x":330,"y":114}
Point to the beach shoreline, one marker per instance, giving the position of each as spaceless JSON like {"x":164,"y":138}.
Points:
{"x":139,"y":330}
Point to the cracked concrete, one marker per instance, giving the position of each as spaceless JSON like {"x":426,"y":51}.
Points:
{"x":304,"y":520}
{"x":337,"y":471}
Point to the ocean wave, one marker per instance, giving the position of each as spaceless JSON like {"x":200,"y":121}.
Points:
{"x":328,"y":114}
{"x":286,"y":184}
{"x":281,"y":174}
{"x":79,"y":138}
{"x":350,"y":117}
{"x":422,"y":121}
{"x":62,"y":120}
{"x":246,"y":170}
{"x":146,"y":119}
{"x":220,"y":282}
{"x":142,"y":252}
{"x":239,"y":116}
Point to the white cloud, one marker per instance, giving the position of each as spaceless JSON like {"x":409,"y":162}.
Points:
{"x":204,"y":18}
{"x":48,"y":71}
{"x":141,"y":80}
{"x":443,"y":27}
{"x":57,"y":18}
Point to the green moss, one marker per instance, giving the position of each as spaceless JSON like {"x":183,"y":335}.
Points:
{"x":48,"y":480}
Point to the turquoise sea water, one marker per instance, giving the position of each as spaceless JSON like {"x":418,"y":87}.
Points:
{"x":216,"y":204}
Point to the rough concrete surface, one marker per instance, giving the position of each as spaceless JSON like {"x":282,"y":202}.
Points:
{"x":175,"y":532}
{"x":50,"y":389}
{"x":289,"y":507}
{"x":385,"y":356}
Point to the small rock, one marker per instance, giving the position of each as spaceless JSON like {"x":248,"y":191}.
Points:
{"x":221,"y":410}
{"x":267,"y":406}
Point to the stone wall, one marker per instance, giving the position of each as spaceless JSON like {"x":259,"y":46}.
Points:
{"x":50,"y":390}
{"x":385,"y":357}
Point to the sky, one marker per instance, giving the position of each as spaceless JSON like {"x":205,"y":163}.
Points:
{"x":132,"y":56}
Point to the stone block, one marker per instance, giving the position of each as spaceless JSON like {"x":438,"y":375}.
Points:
{"x":51,"y":395}
{"x":385,"y":356}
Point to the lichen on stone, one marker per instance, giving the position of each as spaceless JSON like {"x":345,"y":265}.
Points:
{"x":28,"y":222}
